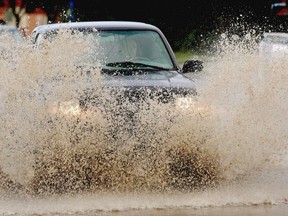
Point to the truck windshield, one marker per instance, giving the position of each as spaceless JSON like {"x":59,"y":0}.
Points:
{"x":120,"y":46}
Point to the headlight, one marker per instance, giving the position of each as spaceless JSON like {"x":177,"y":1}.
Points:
{"x":185,"y":103}
{"x":71,"y":108}
{"x":191,"y":106}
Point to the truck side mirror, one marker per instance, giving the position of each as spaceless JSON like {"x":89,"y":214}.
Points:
{"x":192,"y":66}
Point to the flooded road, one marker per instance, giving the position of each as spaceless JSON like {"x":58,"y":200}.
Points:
{"x":261,"y":193}
{"x":227,"y":156}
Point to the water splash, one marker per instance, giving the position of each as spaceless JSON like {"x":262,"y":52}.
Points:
{"x":235,"y":130}
{"x":50,"y":146}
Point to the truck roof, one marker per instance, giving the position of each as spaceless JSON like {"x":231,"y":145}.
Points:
{"x":98,"y":25}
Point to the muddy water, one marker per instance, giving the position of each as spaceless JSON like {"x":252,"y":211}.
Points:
{"x":228,"y":153}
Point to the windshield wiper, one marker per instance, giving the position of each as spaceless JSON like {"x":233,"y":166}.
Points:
{"x":135,"y":65}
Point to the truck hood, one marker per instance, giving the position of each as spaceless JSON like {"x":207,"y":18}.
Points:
{"x":169,"y":82}
{"x":160,"y":79}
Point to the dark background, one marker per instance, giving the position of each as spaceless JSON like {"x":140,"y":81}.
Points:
{"x":188,"y":24}
{"x":187,"y":20}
